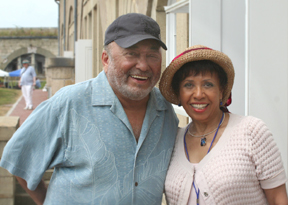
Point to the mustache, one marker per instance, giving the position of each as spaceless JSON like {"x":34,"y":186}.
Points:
{"x":140,"y":73}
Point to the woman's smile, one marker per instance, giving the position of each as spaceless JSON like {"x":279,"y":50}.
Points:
{"x":199,"y":106}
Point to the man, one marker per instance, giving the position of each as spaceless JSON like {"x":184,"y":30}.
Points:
{"x":110,"y":138}
{"x":26,"y":82}
{"x":38,"y":83}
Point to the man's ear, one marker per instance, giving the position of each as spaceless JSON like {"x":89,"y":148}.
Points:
{"x":105,"y":60}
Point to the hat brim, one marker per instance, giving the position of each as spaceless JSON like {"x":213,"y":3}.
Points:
{"x":129,"y":41}
{"x":196,"y":53}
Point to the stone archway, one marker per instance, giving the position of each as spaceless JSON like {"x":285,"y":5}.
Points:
{"x":24,"y":51}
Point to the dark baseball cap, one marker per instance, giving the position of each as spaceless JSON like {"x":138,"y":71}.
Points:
{"x":132,"y":28}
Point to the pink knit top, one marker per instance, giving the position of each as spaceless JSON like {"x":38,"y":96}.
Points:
{"x":244,"y":161}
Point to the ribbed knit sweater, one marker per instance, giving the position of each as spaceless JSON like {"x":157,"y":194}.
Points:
{"x":244,"y":161}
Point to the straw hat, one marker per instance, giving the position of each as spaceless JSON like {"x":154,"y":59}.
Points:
{"x":196,"y":53}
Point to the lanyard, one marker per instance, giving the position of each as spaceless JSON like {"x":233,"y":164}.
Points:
{"x":197,"y":192}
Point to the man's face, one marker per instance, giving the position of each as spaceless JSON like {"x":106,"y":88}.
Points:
{"x":133,"y":72}
{"x":25,"y":65}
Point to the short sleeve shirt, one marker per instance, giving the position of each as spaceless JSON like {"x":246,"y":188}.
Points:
{"x":27,"y":75}
{"x":85,"y":134}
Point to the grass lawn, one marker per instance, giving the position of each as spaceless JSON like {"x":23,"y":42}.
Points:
{"x":7,"y":98}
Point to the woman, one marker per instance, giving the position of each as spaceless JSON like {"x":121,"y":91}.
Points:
{"x":219,"y":158}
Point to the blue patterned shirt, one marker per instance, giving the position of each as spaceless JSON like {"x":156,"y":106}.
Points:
{"x":84,"y":133}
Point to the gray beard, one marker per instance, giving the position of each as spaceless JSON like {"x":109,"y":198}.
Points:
{"x":127,"y":91}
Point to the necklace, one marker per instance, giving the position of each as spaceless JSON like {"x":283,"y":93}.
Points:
{"x":185,"y":145}
{"x":203,"y":137}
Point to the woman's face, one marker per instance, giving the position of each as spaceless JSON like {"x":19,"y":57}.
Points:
{"x":200,"y":96}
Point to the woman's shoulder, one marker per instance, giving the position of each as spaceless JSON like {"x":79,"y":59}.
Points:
{"x":181,"y":131}
{"x":249,"y":126}
{"x":245,"y":120}
{"x":179,"y":140}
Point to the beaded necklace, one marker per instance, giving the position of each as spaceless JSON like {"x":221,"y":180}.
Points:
{"x":198,"y":192}
{"x":203,"y":137}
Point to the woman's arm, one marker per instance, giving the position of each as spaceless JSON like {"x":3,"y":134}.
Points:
{"x":277,"y":196}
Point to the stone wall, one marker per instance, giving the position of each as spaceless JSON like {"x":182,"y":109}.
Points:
{"x":59,"y":73}
{"x":8,"y":125}
{"x":12,"y":47}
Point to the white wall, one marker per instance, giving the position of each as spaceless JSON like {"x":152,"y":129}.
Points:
{"x":254,"y":34}
{"x":233,"y":44}
{"x":223,"y":29}
{"x":267,"y":65}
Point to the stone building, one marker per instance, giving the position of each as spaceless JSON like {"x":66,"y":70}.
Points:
{"x":34,"y":44}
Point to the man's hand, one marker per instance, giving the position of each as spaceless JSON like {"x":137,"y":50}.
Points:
{"x":34,"y":81}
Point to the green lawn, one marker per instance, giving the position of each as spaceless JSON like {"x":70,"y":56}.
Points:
{"x":7,"y":98}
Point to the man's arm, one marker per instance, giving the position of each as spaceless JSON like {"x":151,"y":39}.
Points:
{"x":277,"y":196}
{"x":38,"y":195}
{"x":19,"y":83}
{"x":34,"y":81}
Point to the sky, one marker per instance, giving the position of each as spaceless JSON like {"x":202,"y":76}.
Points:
{"x":28,"y":13}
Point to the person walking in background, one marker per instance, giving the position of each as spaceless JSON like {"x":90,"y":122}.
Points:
{"x":110,"y":138}
{"x":219,"y":158}
{"x":38,"y":83}
{"x":27,"y":82}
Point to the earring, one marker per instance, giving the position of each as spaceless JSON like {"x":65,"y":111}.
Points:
{"x":179,"y":105}
{"x":221,"y":103}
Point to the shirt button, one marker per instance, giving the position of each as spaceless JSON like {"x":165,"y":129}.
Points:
{"x":205,"y":194}
{"x":136,"y":183}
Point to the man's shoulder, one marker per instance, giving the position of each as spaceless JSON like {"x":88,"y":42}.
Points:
{"x":81,"y":91}
{"x":73,"y":92}
{"x":163,"y":104}
{"x":159,"y":98}
{"x":30,"y":67}
{"x":77,"y":87}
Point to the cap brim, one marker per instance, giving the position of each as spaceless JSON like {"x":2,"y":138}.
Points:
{"x":129,"y":41}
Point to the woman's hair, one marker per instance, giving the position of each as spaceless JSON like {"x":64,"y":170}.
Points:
{"x":198,"y":67}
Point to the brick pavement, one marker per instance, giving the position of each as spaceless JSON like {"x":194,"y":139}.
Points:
{"x":17,"y":110}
